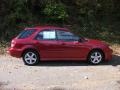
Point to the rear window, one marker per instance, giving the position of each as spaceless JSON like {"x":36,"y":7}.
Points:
{"x":25,"y":34}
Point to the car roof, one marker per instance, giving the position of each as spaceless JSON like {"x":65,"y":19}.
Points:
{"x":47,"y":27}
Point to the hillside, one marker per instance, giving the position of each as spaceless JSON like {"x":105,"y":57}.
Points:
{"x":90,"y":18}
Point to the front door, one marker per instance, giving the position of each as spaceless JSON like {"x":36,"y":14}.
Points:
{"x":69,"y":43}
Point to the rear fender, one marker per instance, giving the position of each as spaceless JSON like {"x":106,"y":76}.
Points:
{"x":30,"y":47}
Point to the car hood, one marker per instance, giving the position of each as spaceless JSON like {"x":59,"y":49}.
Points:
{"x":95,"y":42}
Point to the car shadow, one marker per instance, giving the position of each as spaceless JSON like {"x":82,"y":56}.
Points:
{"x":114,"y":62}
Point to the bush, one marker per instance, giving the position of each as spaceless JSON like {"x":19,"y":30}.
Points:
{"x":55,"y":12}
{"x":91,"y":18}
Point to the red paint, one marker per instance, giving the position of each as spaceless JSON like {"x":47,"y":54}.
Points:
{"x":57,"y":49}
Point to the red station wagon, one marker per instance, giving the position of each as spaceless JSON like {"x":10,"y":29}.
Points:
{"x":48,"y":43}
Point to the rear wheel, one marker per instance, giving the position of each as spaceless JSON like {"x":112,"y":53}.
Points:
{"x":30,"y":57}
{"x":95,"y":57}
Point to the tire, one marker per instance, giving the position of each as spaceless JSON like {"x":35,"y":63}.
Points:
{"x":95,"y":57}
{"x":31,"y":58}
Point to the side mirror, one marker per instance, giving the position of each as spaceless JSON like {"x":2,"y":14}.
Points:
{"x":80,"y":40}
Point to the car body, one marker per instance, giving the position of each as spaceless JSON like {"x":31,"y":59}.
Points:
{"x":56,"y":43}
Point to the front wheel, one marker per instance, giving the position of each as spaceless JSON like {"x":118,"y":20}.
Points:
{"x":31,"y":58}
{"x":95,"y":57}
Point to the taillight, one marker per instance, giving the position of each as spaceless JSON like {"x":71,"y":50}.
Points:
{"x":12,"y":43}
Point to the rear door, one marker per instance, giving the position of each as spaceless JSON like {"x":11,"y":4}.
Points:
{"x":48,"y":45}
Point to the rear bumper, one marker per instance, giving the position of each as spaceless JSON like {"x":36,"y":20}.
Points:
{"x":14,"y":52}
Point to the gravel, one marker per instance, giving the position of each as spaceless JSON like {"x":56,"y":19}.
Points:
{"x":14,"y":75}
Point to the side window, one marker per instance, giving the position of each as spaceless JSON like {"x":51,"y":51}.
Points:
{"x":66,"y":36}
{"x":46,"y":35}
{"x":25,"y":34}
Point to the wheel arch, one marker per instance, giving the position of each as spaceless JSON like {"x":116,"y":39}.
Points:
{"x":30,"y":48}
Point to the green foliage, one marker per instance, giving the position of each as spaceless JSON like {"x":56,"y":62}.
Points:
{"x":91,"y":18}
{"x":56,"y":11}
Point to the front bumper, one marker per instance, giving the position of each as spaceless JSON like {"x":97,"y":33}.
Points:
{"x":108,"y":54}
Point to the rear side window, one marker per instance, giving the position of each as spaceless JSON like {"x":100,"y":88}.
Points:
{"x":46,"y":35}
{"x":25,"y":34}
